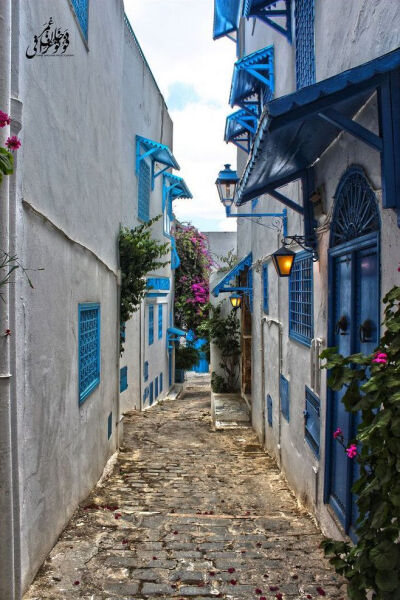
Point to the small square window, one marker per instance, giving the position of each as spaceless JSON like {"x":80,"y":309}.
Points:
{"x":301,"y":318}
{"x":89,"y":349}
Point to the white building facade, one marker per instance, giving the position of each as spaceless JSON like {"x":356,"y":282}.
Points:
{"x":86,"y":107}
{"x":313,"y":87}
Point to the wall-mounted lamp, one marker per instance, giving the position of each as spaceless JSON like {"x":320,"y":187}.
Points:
{"x":283,"y":260}
{"x":235,"y":300}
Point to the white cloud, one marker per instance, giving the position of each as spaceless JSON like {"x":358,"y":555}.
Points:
{"x":176,"y":37}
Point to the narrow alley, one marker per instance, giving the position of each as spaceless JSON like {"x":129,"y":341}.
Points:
{"x":188,"y":512}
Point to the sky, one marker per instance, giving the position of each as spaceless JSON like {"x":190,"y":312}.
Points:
{"x":194,"y":75}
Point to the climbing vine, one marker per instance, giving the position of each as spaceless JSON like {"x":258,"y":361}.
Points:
{"x":139,"y":254}
{"x":372,"y":387}
{"x":191,"y":279}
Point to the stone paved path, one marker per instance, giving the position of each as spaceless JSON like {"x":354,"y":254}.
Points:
{"x":188,"y":513}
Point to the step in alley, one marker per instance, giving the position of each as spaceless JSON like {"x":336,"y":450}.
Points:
{"x":188,"y":512}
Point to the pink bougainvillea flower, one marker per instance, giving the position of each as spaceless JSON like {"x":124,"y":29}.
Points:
{"x":351,"y":452}
{"x":258,"y":591}
{"x":4,"y":119}
{"x":233,"y":582}
{"x":278,"y":596}
{"x":321,"y":591}
{"x":13,"y":143}
{"x":337,"y":433}
{"x":309,"y":596}
{"x":231,"y":570}
{"x":76,"y":582}
{"x":380,"y":358}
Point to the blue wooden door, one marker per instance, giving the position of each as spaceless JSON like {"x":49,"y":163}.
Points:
{"x":202,"y":366}
{"x":354,"y":304}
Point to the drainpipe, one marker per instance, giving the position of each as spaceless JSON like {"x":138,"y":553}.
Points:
{"x":7,"y":588}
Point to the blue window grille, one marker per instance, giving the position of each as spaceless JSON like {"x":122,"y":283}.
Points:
{"x":146,"y":370}
{"x":145,"y":395}
{"x":301,"y":322}
{"x":312,"y":421}
{"x":81,"y":8}
{"x":161,"y":382}
{"x":89,"y":349}
{"x":284,"y":396}
{"x":156,"y":387}
{"x":269,"y":410}
{"x":123,"y":379}
{"x":305,"y":55}
{"x":151,"y":324}
{"x":109,"y":426}
{"x":151,"y":393}
{"x":265,"y":287}
{"x":160,"y":321}
{"x":144,"y":187}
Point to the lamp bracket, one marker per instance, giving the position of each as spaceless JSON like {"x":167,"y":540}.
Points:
{"x":309,"y":245}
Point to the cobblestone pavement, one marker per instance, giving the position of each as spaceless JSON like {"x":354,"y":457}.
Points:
{"x":188,"y":513}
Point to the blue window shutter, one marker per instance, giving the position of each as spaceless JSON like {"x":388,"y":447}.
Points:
{"x":146,"y":370}
{"x":109,"y":425}
{"x":151,"y":324}
{"x":305,"y":53}
{"x":144,"y":187}
{"x":265,"y":287}
{"x":284,"y":396}
{"x":123,"y":379}
{"x":89,"y":349}
{"x":81,"y":8}
{"x":312,"y":420}
{"x":151,"y":394}
{"x":156,"y":387}
{"x":145,"y":395}
{"x":160,"y":321}
{"x":301,"y":311}
{"x":269,"y":410}
{"x":161,"y":382}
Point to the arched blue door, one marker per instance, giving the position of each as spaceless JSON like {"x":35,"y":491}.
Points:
{"x":354,"y":301}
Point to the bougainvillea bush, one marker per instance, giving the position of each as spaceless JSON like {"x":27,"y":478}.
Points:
{"x":372,"y":565}
{"x":191,"y":277}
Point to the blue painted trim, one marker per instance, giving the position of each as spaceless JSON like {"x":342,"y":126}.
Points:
{"x":160,"y":321}
{"x":151,"y":393}
{"x":161,"y":382}
{"x":296,"y":335}
{"x":156,"y":294}
{"x":81,"y":9}
{"x":269,"y":410}
{"x":123,"y":379}
{"x":284,"y":393}
{"x":158,"y":283}
{"x":151,"y":324}
{"x":158,"y":153}
{"x":156,"y":387}
{"x":312,"y":420}
{"x":266,"y":10}
{"x":265,"y":288}
{"x":246,"y":262}
{"x":304,"y":32}
{"x":146,"y":370}
{"x":253,"y":75}
{"x":109,"y":426}
{"x":226,"y":18}
{"x":83,"y":394}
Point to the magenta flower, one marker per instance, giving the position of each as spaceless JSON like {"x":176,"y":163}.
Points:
{"x":13,"y":143}
{"x":351,"y":451}
{"x":380,"y":358}
{"x":4,"y":119}
{"x":337,"y":433}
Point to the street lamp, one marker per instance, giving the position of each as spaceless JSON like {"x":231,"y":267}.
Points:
{"x":283,"y":261}
{"x":226,"y":183}
{"x":236,"y":300}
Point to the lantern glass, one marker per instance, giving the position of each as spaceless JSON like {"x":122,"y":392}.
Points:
{"x":236,"y":300}
{"x":283,"y":261}
{"x":226,"y":183}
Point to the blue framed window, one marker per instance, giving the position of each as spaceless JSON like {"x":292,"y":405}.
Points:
{"x":81,"y":8}
{"x":160,"y":321}
{"x":312,"y":420}
{"x":305,"y":53}
{"x":156,"y":387}
{"x":269,"y":410}
{"x":151,"y":324}
{"x":161,"y":382}
{"x":123,"y":379}
{"x":284,"y":396}
{"x":301,"y":318}
{"x":144,"y":187}
{"x":265,"y":287}
{"x":146,"y":370}
{"x":109,"y":426}
{"x":151,"y":393}
{"x":89,"y":349}
{"x":145,"y":395}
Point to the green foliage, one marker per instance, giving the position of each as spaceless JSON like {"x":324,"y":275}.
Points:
{"x":186,"y":357}
{"x":224,"y":333}
{"x":139,"y":254}
{"x":6,"y":163}
{"x":9,"y":264}
{"x":218,"y":384}
{"x":373,"y":563}
{"x":227,"y":262}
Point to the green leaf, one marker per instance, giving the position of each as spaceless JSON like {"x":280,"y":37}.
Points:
{"x":385,"y":556}
{"x":387,"y":581}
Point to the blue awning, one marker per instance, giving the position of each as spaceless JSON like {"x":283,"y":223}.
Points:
{"x":253,"y":76}
{"x":240,"y":128}
{"x":156,"y":152}
{"x":296,"y":129}
{"x":176,"y":331}
{"x":226,"y":17}
{"x":176,"y":186}
{"x":275,"y":13}
{"x":223,"y":285}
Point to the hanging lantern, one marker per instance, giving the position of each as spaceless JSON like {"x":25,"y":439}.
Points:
{"x":236,"y":300}
{"x":226,"y":183}
{"x":283,"y":260}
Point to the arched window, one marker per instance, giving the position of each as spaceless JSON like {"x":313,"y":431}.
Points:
{"x":356,"y":210}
